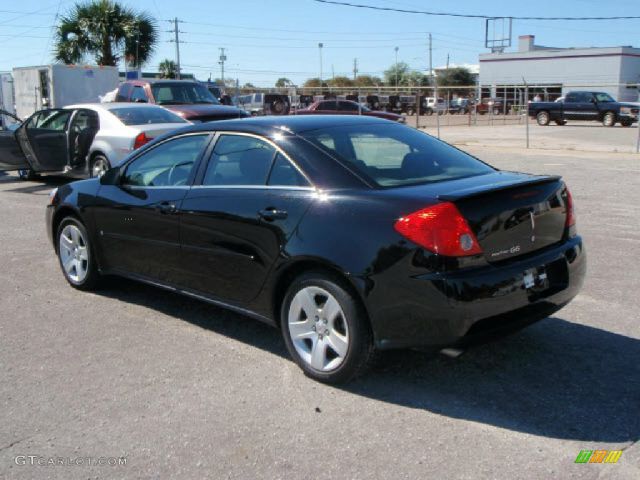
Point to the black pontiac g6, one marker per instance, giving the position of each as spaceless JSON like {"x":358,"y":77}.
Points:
{"x":350,"y":234}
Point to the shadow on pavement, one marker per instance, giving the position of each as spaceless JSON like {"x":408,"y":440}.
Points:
{"x":42,"y":185}
{"x":554,"y":379}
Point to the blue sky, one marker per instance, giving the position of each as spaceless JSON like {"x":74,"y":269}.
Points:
{"x":267,"y":39}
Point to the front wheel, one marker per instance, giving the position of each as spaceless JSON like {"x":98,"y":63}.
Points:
{"x":76,"y":255}
{"x":626,"y":122}
{"x":609,"y":119}
{"x":325,"y":329}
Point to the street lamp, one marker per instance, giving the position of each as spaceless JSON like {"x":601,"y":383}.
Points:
{"x":396,"y":49}
{"x":320,"y":45}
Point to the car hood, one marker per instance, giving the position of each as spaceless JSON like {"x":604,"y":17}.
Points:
{"x":195,"y":111}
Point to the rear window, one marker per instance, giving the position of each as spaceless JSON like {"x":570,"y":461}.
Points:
{"x":145,"y":116}
{"x":393,"y":155}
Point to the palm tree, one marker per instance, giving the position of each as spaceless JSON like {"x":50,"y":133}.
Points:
{"x":104,"y":28}
{"x":167,"y":69}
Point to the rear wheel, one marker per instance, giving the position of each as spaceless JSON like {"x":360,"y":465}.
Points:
{"x":609,"y":119}
{"x":561,"y":122}
{"x":76,"y":255}
{"x":325,"y":329}
{"x":543,"y":118}
{"x":99,"y":165}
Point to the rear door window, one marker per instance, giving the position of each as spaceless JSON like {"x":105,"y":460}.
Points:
{"x":239,"y":160}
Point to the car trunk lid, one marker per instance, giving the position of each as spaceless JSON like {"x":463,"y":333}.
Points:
{"x":515,"y":216}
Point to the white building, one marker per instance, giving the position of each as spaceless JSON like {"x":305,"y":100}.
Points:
{"x":615,"y":70}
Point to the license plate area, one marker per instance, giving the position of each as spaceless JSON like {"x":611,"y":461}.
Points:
{"x":545,"y":280}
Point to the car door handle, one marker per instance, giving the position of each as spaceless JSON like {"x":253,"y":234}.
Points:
{"x":166,"y":207}
{"x":269,"y":214}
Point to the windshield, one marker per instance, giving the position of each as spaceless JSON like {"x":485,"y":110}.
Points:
{"x":181,"y":93}
{"x":603,"y":97}
{"x":394,"y":155}
{"x":145,"y":116}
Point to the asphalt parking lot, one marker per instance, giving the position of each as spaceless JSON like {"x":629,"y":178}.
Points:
{"x":183,"y":389}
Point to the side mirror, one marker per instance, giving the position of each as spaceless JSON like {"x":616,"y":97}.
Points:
{"x":110,"y":177}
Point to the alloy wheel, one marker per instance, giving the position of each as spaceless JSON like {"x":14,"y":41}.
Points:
{"x":74,"y":255}
{"x":318,"y":329}
{"x":100,"y":166}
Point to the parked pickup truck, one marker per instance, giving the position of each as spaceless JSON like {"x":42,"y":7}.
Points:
{"x":598,"y":106}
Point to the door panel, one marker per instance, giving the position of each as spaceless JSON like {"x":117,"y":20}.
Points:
{"x":138,"y":220}
{"x":44,"y":140}
{"x":228,"y":247}
{"x":11,"y":156}
{"x":136,"y":235}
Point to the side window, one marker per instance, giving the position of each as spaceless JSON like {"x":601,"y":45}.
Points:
{"x":123,"y":93}
{"x":139,"y":95}
{"x":239,"y":160}
{"x":347,"y":107}
{"x":284,"y":173}
{"x":54,"y":120}
{"x":168,"y":164}
{"x":328,"y":106}
{"x":570,"y":98}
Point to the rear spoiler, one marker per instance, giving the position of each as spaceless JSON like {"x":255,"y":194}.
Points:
{"x":497,"y":187}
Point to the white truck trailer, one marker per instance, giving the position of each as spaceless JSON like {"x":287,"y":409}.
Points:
{"x":58,"y":85}
{"x":7,"y":102}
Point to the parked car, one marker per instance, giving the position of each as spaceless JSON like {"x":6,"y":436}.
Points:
{"x":495,"y":106}
{"x":265,"y":103}
{"x":430,"y":105}
{"x":350,"y":234}
{"x":460,"y":106}
{"x":82,"y":140}
{"x":189,"y":99}
{"x":346,"y":107}
{"x":585,"y":105}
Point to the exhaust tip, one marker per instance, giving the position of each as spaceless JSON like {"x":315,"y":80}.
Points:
{"x":452,"y":352}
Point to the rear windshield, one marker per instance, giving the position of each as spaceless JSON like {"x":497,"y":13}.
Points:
{"x":394,"y":155}
{"x":182,"y":93}
{"x":145,"y":116}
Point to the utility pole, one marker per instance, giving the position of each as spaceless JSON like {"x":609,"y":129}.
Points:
{"x":320,"y":45}
{"x":430,"y":60}
{"x":447,"y":61}
{"x":396,"y":49}
{"x":176,"y":32}
{"x":355,"y":68}
{"x":223,"y":58}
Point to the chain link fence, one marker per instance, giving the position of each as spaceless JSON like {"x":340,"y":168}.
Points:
{"x":433,"y":108}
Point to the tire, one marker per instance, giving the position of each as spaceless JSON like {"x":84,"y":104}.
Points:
{"x":626,"y":122}
{"x":429,"y":112}
{"x":410,"y":112}
{"x":561,"y":122}
{"x":496,"y":111}
{"x":99,"y":165}
{"x":76,"y":252}
{"x":609,"y":119}
{"x":543,"y":118}
{"x":344,"y":349}
{"x":27,"y":174}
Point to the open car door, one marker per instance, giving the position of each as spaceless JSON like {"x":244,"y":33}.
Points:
{"x":44,"y":140}
{"x":11,"y":155}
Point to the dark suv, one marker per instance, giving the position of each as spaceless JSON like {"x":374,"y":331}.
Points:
{"x":189,"y":99}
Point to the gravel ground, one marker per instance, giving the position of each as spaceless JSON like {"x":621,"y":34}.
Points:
{"x":182,"y":389}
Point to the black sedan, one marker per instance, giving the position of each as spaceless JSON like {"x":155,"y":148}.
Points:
{"x":351,"y":234}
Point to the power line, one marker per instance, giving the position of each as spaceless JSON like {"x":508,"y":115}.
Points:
{"x":467,"y":15}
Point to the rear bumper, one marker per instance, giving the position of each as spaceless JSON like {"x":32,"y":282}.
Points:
{"x":439,"y":310}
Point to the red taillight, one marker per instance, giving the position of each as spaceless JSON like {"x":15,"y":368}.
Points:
{"x":441,"y":229}
{"x":140,"y":140}
{"x":571,"y":214}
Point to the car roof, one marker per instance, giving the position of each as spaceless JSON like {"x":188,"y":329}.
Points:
{"x":112,"y":105}
{"x":290,"y":123}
